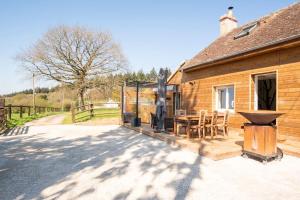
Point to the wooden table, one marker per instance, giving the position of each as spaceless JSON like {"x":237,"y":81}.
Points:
{"x":188,"y":119}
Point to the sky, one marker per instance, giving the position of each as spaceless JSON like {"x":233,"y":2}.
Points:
{"x":152,"y":33}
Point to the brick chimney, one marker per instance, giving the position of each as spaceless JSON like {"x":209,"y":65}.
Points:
{"x":227,"y":22}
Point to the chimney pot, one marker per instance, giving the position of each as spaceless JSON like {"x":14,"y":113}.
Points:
{"x":230,"y":12}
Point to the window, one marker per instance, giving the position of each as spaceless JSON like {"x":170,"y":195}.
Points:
{"x":225,"y":98}
{"x":246,"y":30}
{"x":176,"y":99}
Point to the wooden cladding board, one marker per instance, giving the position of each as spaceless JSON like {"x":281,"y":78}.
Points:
{"x":260,"y":140}
{"x":198,"y":87}
{"x":176,"y":78}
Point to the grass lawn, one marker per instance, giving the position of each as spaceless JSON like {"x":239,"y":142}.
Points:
{"x":99,"y":113}
{"x":17,"y":121}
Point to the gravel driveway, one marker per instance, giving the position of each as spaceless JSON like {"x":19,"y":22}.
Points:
{"x":49,"y":120}
{"x":111,"y":162}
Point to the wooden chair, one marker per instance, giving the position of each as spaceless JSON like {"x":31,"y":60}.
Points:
{"x":212,"y":126}
{"x":181,"y":124}
{"x":180,"y":112}
{"x":153,"y":122}
{"x":224,"y":124}
{"x":193,"y":112}
{"x":201,"y":122}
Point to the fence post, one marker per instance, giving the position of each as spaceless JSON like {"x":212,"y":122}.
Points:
{"x":29,"y":111}
{"x":2,"y":114}
{"x":9,"y":111}
{"x":91,"y":110}
{"x":39,"y":110}
{"x":73,"y":114}
{"x":21,"y":111}
{"x":5,"y":116}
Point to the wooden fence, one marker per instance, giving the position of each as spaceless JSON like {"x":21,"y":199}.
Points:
{"x":2,"y":114}
{"x":8,"y":112}
{"x":29,"y":110}
{"x":85,"y":110}
{"x":89,"y":111}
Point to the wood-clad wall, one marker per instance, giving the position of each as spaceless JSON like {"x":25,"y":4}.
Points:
{"x":176,"y":78}
{"x":198,"y":87}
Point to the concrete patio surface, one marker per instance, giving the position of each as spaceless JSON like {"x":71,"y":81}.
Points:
{"x":112,"y":162}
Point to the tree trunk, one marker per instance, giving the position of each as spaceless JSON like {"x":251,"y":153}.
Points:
{"x":81,"y":98}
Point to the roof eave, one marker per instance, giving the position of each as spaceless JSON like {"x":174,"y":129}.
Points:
{"x":178,"y":68}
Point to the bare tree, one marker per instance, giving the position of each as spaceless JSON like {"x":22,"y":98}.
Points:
{"x":108,"y":85}
{"x":73,"y":56}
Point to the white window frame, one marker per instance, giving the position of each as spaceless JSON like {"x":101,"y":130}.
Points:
{"x":256,"y":76}
{"x":226,"y":87}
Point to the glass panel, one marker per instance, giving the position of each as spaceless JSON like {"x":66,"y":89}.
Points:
{"x":178,"y":101}
{"x":231,"y":97}
{"x":222,"y":98}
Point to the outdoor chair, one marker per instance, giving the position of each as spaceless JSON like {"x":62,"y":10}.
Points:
{"x":201,"y":123}
{"x":181,"y":124}
{"x":212,"y":126}
{"x":180,"y":112}
{"x":193,"y":112}
{"x":169,"y":123}
{"x":127,"y":116}
{"x":224,"y":124}
{"x":153,"y":120}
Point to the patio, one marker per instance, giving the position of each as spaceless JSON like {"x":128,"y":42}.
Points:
{"x":218,"y":148}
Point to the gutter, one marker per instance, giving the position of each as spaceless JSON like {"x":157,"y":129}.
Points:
{"x":247,"y":51}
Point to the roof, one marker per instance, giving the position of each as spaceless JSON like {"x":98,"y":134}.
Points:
{"x":277,"y":26}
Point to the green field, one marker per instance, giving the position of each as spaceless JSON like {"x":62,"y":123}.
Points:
{"x":99,"y":113}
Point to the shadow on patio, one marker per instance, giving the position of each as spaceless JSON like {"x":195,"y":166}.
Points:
{"x":113,"y":164}
{"x":15,"y":131}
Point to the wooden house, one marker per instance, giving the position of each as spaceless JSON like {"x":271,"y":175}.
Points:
{"x":255,"y":66}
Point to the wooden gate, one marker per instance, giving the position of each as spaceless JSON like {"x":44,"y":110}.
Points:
{"x":2,"y":114}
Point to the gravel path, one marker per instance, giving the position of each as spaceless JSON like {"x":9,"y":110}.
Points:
{"x":111,"y":162}
{"x":50,"y":120}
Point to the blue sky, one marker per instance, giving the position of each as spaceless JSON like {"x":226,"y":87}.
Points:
{"x":152,"y":33}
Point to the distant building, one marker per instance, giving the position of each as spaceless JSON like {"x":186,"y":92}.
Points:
{"x":111,"y":104}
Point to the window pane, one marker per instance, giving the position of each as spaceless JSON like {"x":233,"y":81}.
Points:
{"x":231,"y":97}
{"x":178,"y":101}
{"x":222,"y":98}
